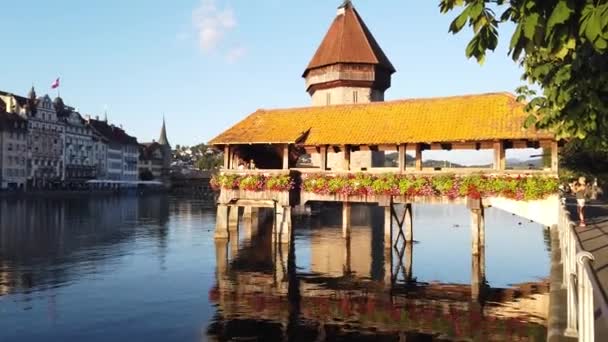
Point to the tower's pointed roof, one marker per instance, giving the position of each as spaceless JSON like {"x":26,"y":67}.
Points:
{"x":348,"y":40}
{"x":163,"y":135}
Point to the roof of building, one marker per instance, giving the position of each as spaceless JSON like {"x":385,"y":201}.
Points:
{"x":8,"y":120}
{"x":147,"y":149}
{"x":22,"y":101}
{"x":112,"y":133}
{"x":481,"y":117}
{"x":348,"y":40}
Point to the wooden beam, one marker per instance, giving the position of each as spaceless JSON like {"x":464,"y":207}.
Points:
{"x":463,"y":146}
{"x":520,"y":144}
{"x":401,"y":161}
{"x":418,"y":157}
{"x":499,"y":156}
{"x":388,"y":147}
{"x":554,"y":156}
{"x":286,"y":157}
{"x":310,"y":149}
{"x":323,"y":152}
{"x":226,"y":157}
{"x":346,"y":162}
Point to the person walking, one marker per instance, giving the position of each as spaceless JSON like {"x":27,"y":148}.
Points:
{"x":580,"y":190}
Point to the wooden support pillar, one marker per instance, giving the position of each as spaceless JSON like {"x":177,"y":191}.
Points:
{"x":255,"y":214}
{"x":346,"y":153}
{"x":388,"y":227}
{"x":499,"y":156}
{"x":247,"y":212}
{"x":282,"y":224}
{"x":409,"y":223}
{"x":418,"y":157}
{"x":554,"y":156}
{"x":234,"y":244}
{"x":221,"y":260}
{"x":477,"y":248}
{"x":233,"y":218}
{"x":409,"y":259}
{"x":286,"y":157}
{"x":323,"y":158}
{"x":280,"y":253}
{"x":249,"y":230}
{"x":388,"y":266}
{"x":401,"y":161}
{"x":221,"y":222}
{"x":476,"y":280}
{"x":346,"y":269}
{"x":346,"y":219}
{"x":227,"y":157}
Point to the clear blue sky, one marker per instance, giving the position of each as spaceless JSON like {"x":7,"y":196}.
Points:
{"x":207,"y":64}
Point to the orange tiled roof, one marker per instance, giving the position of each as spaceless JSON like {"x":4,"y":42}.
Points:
{"x":348,"y":40}
{"x":447,"y":119}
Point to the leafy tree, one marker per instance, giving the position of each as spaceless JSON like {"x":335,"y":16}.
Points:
{"x":210,"y":161}
{"x":562,"y":47}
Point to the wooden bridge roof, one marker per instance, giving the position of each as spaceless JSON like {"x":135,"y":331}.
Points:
{"x":470,"y":118}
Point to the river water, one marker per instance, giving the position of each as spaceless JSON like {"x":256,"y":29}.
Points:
{"x":149,"y":269}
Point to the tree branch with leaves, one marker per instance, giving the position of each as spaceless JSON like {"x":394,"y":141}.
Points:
{"x":561,"y":45}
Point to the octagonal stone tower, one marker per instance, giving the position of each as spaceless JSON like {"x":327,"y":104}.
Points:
{"x":349,"y":65}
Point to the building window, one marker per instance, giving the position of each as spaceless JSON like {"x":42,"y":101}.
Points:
{"x":328,"y":99}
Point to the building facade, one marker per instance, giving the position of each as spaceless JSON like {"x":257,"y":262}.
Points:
{"x":13,"y":150}
{"x":45,"y":143}
{"x":122,"y":152}
{"x":80,"y":149}
{"x":155,"y":158}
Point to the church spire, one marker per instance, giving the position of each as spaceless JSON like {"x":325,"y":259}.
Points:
{"x":163,"y":135}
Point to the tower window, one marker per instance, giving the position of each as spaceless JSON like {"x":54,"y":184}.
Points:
{"x":355,"y":96}
{"x":328,"y":98}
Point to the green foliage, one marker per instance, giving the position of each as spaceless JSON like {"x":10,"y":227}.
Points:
{"x":209,"y":162}
{"x":562,"y":46}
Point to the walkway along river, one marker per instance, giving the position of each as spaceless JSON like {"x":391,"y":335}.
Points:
{"x":149,"y":268}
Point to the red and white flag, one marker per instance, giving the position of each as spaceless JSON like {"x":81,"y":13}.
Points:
{"x":55,"y":84}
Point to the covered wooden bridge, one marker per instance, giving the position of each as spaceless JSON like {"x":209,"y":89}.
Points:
{"x":288,"y":157}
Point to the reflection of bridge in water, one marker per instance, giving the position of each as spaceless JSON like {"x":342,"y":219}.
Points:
{"x":354,"y":287}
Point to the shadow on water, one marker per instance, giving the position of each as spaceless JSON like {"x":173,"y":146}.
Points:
{"x":321,"y":286}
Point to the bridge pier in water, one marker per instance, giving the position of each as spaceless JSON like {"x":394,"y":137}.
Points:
{"x":404,"y":223}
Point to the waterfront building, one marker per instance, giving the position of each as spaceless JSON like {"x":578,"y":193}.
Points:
{"x":155,"y":158}
{"x":100,"y":152}
{"x":81,"y":162}
{"x":122,"y":151}
{"x":45,"y":142}
{"x":13,"y":150}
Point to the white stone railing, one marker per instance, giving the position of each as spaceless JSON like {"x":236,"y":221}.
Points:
{"x":584,"y":293}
